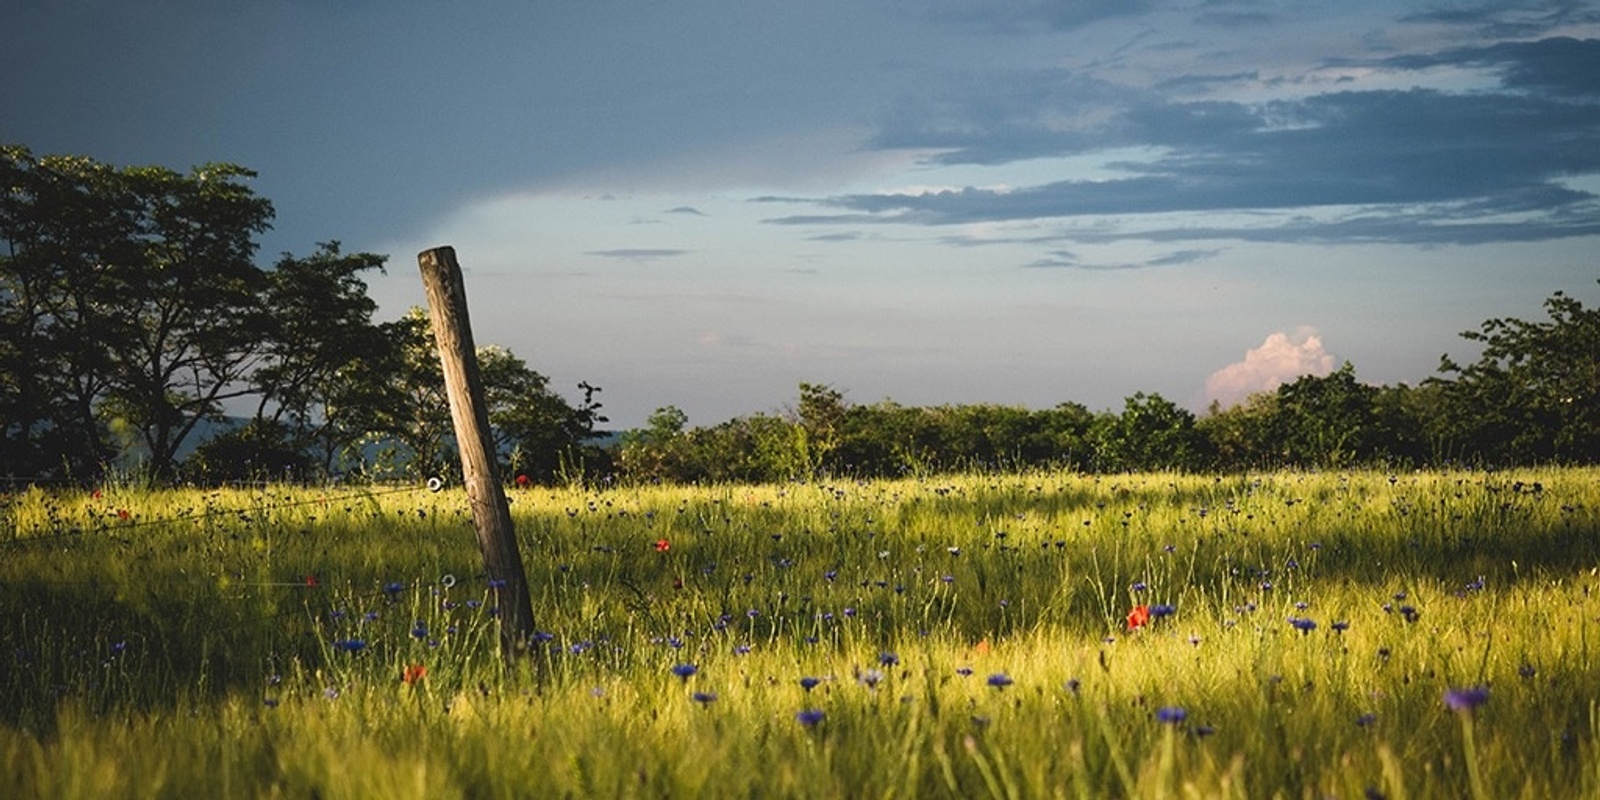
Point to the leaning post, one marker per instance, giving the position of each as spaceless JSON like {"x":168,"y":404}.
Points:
{"x":491,"y":515}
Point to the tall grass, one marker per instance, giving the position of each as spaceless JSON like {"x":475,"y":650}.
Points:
{"x":959,"y":636}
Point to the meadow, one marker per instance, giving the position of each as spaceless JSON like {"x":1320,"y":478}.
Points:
{"x":1049,"y":634}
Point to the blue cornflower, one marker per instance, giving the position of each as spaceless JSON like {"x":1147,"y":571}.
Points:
{"x":808,"y":683}
{"x":704,"y":698}
{"x":394,"y":587}
{"x":1171,"y":715}
{"x":684,"y":671}
{"x":420,"y":630}
{"x":1466,"y":699}
{"x":1339,"y":626}
{"x":1366,"y":720}
{"x":809,"y":717}
{"x":963,"y":671}
{"x":1000,"y":680}
{"x":1302,"y":624}
{"x":888,"y":658}
{"x":1138,"y":586}
{"x":741,"y":649}
{"x":1159,"y":611}
{"x":350,"y":645}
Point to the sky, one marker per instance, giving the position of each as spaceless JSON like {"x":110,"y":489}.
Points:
{"x":705,"y":203}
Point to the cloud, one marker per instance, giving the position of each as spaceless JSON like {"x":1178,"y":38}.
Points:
{"x":639,"y":253}
{"x":689,"y":210}
{"x":1280,"y":359}
{"x":1454,"y":164}
{"x":1066,"y":259}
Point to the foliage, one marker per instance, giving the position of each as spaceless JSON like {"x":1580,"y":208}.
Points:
{"x":1533,"y":396}
{"x":134,"y":319}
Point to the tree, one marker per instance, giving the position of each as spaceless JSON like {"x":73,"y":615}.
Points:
{"x":541,"y":434}
{"x":1534,"y":393}
{"x":59,"y":218}
{"x":319,"y":337}
{"x":1151,"y":433}
{"x":134,"y":292}
{"x":1325,"y":421}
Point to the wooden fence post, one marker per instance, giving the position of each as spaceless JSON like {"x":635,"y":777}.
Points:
{"x":469,"y":411}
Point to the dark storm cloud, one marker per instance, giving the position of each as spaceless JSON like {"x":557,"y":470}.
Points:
{"x":1498,"y":19}
{"x":1451,"y":163}
{"x":1561,"y":67}
{"x":1023,"y":15}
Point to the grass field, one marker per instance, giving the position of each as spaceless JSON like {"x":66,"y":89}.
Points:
{"x":1299,"y":635}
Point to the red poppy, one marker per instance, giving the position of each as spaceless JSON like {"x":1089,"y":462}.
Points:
{"x":311,"y":580}
{"x":122,"y":514}
{"x":413,"y":674}
{"x":1138,"y":617}
{"x":662,"y":545}
{"x":523,"y":481}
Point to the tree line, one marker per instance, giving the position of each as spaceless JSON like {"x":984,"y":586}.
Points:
{"x":134,"y":319}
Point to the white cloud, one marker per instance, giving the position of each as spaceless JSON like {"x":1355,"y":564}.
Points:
{"x":1280,"y":359}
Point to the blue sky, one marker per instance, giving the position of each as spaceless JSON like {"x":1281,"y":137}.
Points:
{"x":703,"y":204}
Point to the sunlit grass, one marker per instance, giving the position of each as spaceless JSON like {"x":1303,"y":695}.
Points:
{"x":964,"y":636}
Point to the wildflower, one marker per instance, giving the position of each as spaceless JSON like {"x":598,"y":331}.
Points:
{"x":963,"y":671}
{"x":1171,"y":715}
{"x":1411,"y":614}
{"x":1073,"y":685}
{"x":1527,"y":671}
{"x":332,"y":693}
{"x":523,"y":481}
{"x":888,"y":658}
{"x":1138,"y":617}
{"x":1366,"y":720}
{"x":808,"y":683}
{"x":393,"y":588}
{"x":413,"y":674}
{"x":1339,"y":626}
{"x":704,"y":698}
{"x":311,"y":580}
{"x":1466,"y":699}
{"x":809,"y":717}
{"x":684,"y":670}
{"x":420,"y":630}
{"x":1203,"y":731}
{"x":350,"y":645}
{"x":1138,"y":586}
{"x":1000,"y":680}
{"x":1302,"y":624}
{"x":662,"y":545}
{"x":1159,"y":611}
{"x":871,"y":678}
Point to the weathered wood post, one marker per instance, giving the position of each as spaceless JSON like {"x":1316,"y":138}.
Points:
{"x":469,"y":411}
